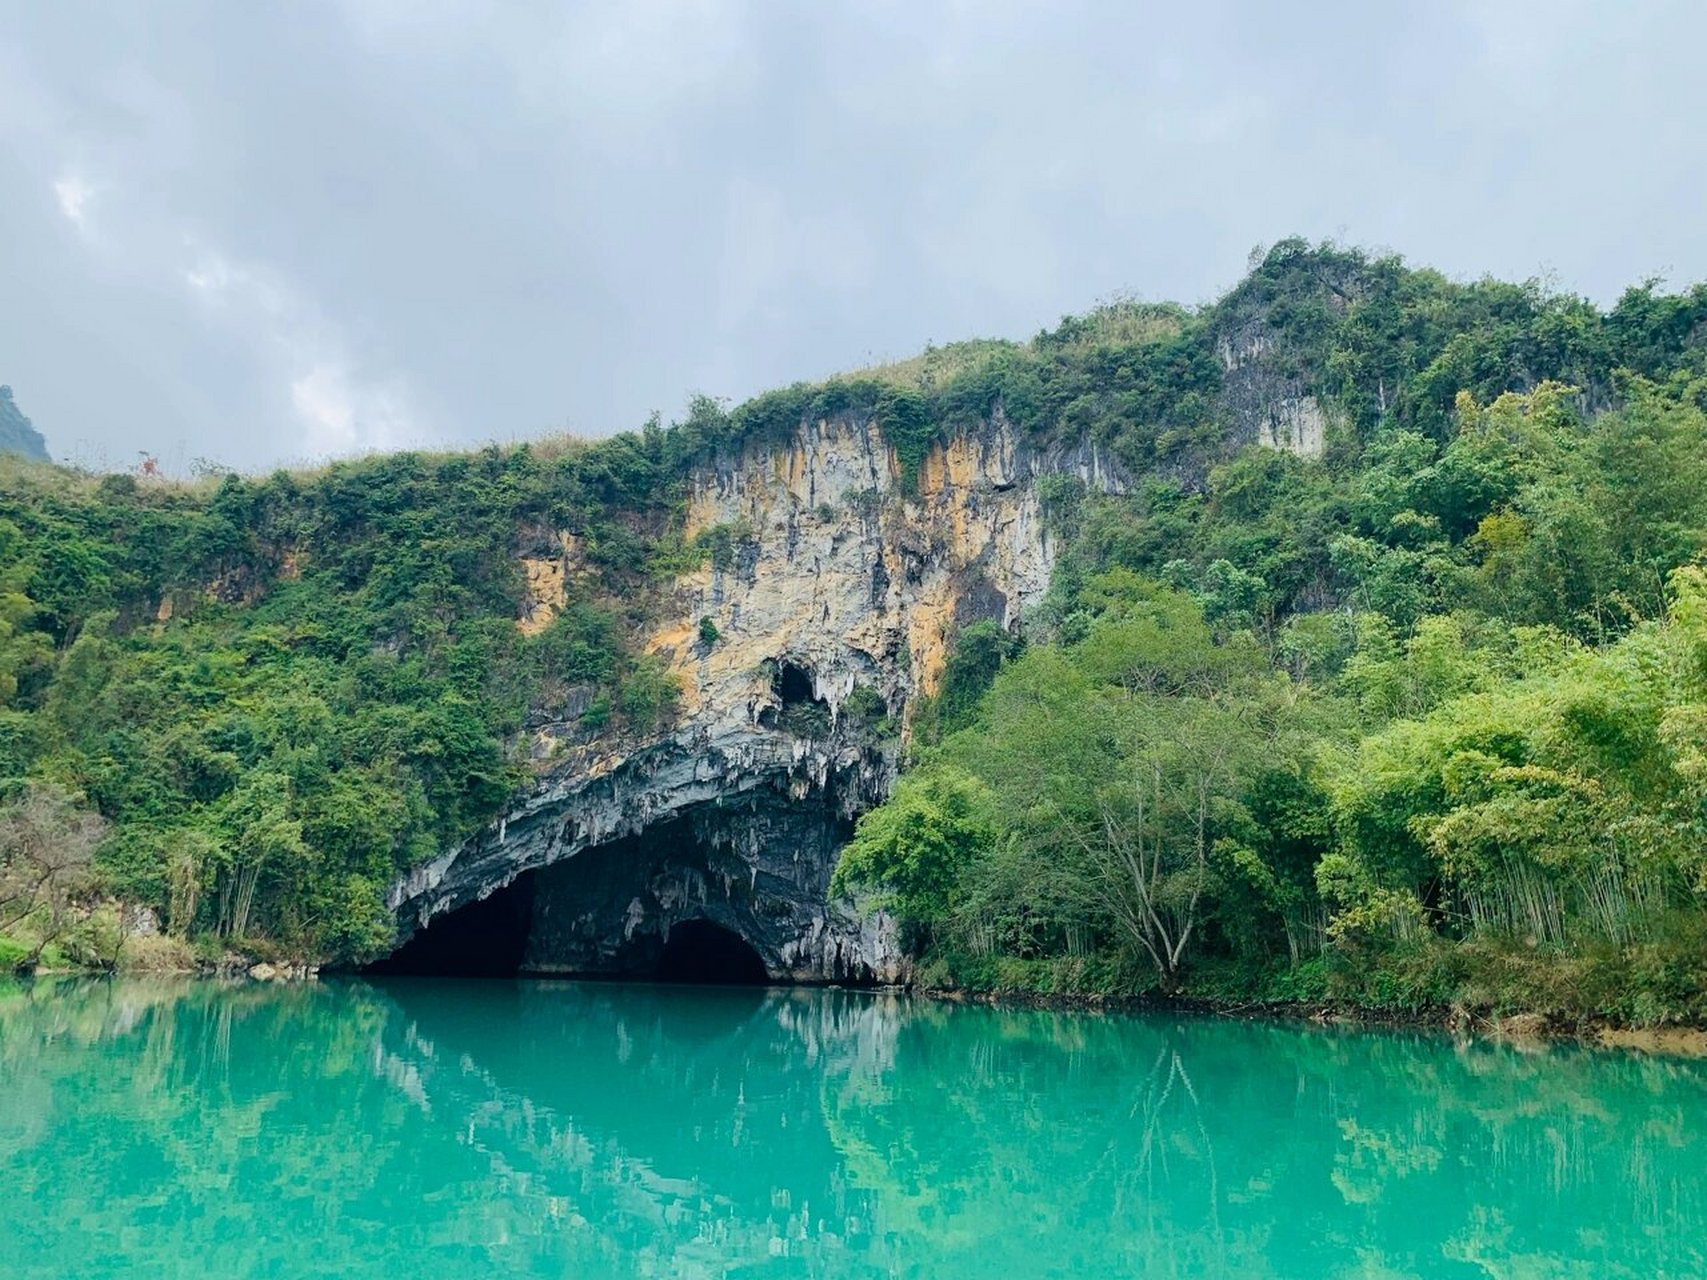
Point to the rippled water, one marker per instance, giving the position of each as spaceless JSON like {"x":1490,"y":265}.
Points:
{"x":461,"y":1129}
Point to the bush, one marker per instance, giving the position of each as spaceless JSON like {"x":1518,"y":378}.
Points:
{"x":864,"y":705}
{"x":157,"y":953}
{"x":13,"y":954}
{"x":649,"y":694}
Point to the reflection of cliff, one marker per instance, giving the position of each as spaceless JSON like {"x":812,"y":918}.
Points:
{"x":681,"y":1125}
{"x":446,"y":1130}
{"x":433,"y":1130}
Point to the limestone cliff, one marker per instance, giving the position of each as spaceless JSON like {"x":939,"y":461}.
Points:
{"x":799,"y":651}
{"x":1267,"y":405}
{"x":17,"y":433}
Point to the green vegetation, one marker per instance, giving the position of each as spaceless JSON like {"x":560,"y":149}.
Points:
{"x":1417,"y":724}
{"x":1490,"y":815}
{"x":278,"y":693}
{"x":1408,"y":723}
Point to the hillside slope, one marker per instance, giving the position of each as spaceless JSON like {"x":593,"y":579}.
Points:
{"x":314,"y":711}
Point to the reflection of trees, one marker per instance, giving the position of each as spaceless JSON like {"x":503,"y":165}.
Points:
{"x":1073,"y":1141}
{"x":1154,"y":1147}
{"x":1167,"y":1076}
{"x":612,"y":1130}
{"x":174,"y":1110}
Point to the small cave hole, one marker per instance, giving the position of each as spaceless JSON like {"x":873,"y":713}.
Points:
{"x":701,"y":952}
{"x":803,"y":714}
{"x":793,"y":684}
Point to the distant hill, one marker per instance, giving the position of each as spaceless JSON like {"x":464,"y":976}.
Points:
{"x":17,"y":435}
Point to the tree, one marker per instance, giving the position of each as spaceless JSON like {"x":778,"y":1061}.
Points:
{"x":1558,"y":804}
{"x":23,"y":649}
{"x":1119,"y":765}
{"x":979,"y":652}
{"x":47,"y":846}
{"x":916,"y":848}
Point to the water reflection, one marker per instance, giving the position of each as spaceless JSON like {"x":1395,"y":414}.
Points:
{"x":560,"y":1129}
{"x":678,"y":1129}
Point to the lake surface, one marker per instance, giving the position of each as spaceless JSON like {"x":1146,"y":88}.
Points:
{"x":428,"y":1129}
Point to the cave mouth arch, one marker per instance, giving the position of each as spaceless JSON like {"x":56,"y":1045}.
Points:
{"x":576,"y":918}
{"x":700,"y":952}
{"x":489,"y":939}
{"x":733,"y":890}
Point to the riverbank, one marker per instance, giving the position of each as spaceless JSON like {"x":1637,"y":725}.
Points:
{"x":1652,"y":998}
{"x":146,"y":952}
{"x":1513,"y":1028}
{"x":1648,"y":999}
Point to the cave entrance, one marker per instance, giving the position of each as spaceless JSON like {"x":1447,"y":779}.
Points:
{"x":485,"y":939}
{"x":730,"y":892}
{"x":793,"y":684}
{"x":802,"y":712}
{"x":490,"y":939}
{"x":697,"y":951}
{"x":575,"y":918}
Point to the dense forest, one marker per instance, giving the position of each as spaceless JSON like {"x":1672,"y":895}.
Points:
{"x":249,"y":703}
{"x":1420,"y":721}
{"x":1419,"y":724}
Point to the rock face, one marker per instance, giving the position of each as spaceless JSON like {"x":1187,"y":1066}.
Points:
{"x":828,"y":609}
{"x":1266,"y":405}
{"x":755,"y":866}
{"x":17,"y":433}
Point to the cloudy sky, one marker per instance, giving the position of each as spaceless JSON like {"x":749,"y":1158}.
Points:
{"x":257,"y":232}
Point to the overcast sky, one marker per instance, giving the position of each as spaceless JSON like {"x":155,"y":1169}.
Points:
{"x":256,"y":233}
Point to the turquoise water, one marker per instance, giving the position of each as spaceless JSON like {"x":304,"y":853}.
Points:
{"x":428,"y":1129}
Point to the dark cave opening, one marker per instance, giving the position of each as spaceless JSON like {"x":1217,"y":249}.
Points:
{"x":698,"y":951}
{"x":803,"y":713}
{"x":572,"y":919}
{"x":730,"y":891}
{"x":793,"y":684}
{"x":485,"y":939}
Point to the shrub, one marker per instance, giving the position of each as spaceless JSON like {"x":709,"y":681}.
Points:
{"x":157,"y":953}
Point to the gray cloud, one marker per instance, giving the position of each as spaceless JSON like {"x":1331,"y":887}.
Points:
{"x":267,"y":232}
